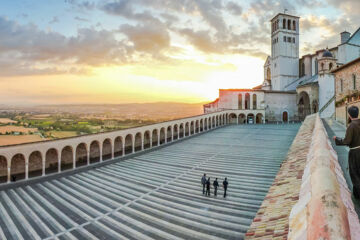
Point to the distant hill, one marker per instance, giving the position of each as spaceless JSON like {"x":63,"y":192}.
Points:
{"x":158,"y":110}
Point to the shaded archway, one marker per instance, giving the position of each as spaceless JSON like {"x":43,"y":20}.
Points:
{"x":217,"y":123}
{"x":213,"y":122}
{"x":155,"y":138}
{"x":247,"y":101}
{"x":17,"y":171}
{"x":285,"y":117}
{"x":192,"y":128}
{"x":259,"y":118}
{"x":201,"y":125}
{"x":118,"y":145}
{"x":187,"y":129}
{"x":94,"y":152}
{"x":147,"y":140}
{"x":169,"y":134}
{"x":176,"y":132}
{"x":181,"y":130}
{"x":51,"y":161}
{"x":232,"y":118}
{"x":197,"y":126}
{"x":250,"y":118}
{"x":106,"y":149}
{"x":66,"y":161}
{"x":254,"y":101}
{"x":206,"y":124}
{"x":227,"y":118}
{"x":81,"y":155}
{"x":315,"y":106}
{"x":162,"y":136}
{"x":303,"y":105}
{"x":128,"y":144}
{"x":3,"y":169}
{"x":138,"y":142}
{"x":209,"y":123}
{"x":35,"y":164}
{"x":242,"y":118}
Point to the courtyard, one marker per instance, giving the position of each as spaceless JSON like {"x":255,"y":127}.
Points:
{"x":157,"y":194}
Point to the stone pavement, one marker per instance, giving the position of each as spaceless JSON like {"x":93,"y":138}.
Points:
{"x":156,"y":195}
{"x":272,"y":219}
{"x":334,"y":128}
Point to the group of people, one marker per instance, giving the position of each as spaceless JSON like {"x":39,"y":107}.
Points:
{"x":206,"y":185}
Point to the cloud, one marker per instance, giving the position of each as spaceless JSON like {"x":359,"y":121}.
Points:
{"x":234,"y":8}
{"x":54,"y":20}
{"x":80,"y":19}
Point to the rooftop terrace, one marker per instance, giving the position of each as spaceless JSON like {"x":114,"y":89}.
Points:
{"x":157,"y":194}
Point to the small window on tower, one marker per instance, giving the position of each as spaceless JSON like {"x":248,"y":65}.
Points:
{"x":354,"y":81}
{"x":289,"y":39}
{"x":293,"y":40}
{"x":284,"y":23}
{"x":294,"y":25}
{"x":284,"y":39}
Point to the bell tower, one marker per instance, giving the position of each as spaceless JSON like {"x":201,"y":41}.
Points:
{"x":284,"y":50}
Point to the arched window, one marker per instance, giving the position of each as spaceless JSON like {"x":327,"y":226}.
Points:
{"x":254,"y":101}
{"x":354,"y":81}
{"x":247,"y":101}
{"x":341,"y":85}
{"x":316,"y":67}
{"x":284,"y":23}
{"x":330,"y":66}
{"x":289,"y":24}
{"x":268,"y":74}
{"x":322,"y":66}
{"x":240,"y":101}
{"x":294,"y":25}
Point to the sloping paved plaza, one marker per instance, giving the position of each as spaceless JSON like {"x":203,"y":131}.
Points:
{"x":156,"y":195}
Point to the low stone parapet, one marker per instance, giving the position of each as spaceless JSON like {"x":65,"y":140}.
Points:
{"x":324,"y":209}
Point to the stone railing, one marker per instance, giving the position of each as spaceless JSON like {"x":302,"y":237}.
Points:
{"x":324,"y":209}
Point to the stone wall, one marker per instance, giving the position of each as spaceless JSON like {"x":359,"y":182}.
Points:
{"x":346,"y":74}
{"x":325,"y":209}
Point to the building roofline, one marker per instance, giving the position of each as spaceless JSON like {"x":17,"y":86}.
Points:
{"x":346,"y":65}
{"x":284,"y":14}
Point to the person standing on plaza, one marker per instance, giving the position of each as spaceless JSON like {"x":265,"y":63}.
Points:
{"x":203,"y":182}
{"x":352,"y":139}
{"x":225,"y":186}
{"x":208,"y":187}
{"x":216,"y":185}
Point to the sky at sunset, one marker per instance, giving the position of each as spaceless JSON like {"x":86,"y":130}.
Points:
{"x":122,"y":51}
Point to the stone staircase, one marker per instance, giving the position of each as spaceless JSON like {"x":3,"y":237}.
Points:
{"x":156,"y":195}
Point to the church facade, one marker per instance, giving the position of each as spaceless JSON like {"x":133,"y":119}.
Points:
{"x":293,"y":86}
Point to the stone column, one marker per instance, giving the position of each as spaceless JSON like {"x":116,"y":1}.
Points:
{"x":74,"y":159}
{"x":9,"y":174}
{"x":123,"y":148}
{"x":26,"y":169}
{"x":159,"y":138}
{"x":251,"y":101}
{"x":43,"y":165}
{"x":59,"y":163}
{"x":142,"y":144}
{"x":172,"y":134}
{"x":88,"y":157}
{"x":101,"y":157}
{"x":113,"y":151}
{"x":243,"y":101}
{"x":151,"y":140}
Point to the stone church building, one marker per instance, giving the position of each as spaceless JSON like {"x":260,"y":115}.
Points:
{"x":293,"y":86}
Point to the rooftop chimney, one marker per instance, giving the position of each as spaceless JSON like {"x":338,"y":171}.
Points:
{"x":344,"y":37}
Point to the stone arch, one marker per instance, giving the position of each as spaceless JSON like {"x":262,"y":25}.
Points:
{"x":205,"y":124}
{"x":138,"y":142}
{"x":94,"y":152}
{"x":232,"y":118}
{"x":213,"y":122}
{"x":197,"y":126}
{"x":294,"y":25}
{"x":187,"y":129}
{"x":35,"y":164}
{"x":217,"y":123}
{"x":168,"y":134}
{"x":240,"y":99}
{"x":259,"y":118}
{"x":285,"y":116}
{"x":3,"y":169}
{"x":181,"y":130}
{"x":128,"y":144}
{"x":201,"y":125}
{"x":330,"y":66}
{"x":118,"y":147}
{"x":268,"y":75}
{"x":303,"y":105}
{"x":192,"y":128}
{"x":242,"y":118}
{"x":176,"y":132}
{"x":106,"y":149}
{"x":147,"y":139}
{"x":250,"y":118}
{"x":162,"y":136}
{"x":247,"y":101}
{"x":289,"y":24}
{"x":51,"y":161}
{"x":155,"y":138}
{"x":17,"y":171}
{"x":284,"y":23}
{"x":81,"y":155}
{"x":254,"y":101}
{"x":66,"y":159}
